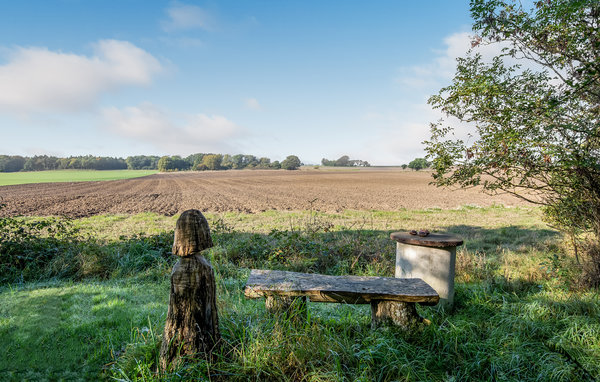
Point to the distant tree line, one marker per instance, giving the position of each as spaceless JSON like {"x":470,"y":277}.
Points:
{"x":196,"y":162}
{"x":345,"y":161}
{"x":14,"y":163}
{"x":203,"y":162}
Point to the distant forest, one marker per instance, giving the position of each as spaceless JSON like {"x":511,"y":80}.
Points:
{"x":345,"y":161}
{"x":196,"y":162}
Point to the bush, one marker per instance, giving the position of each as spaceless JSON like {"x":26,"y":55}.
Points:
{"x":418,"y":164}
{"x":291,"y":163}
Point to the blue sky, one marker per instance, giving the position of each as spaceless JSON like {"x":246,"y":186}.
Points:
{"x":270,"y":78}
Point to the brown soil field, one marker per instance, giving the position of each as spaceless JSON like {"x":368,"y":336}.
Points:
{"x":243,"y":191}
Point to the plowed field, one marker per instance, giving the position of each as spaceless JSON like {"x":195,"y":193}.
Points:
{"x":243,"y":191}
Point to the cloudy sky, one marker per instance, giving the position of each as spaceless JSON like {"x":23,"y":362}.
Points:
{"x":314,"y":78}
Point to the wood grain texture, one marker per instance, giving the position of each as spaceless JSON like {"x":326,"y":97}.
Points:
{"x":432,"y":240}
{"x":346,"y":289}
{"x":192,"y":234}
{"x":393,"y":313}
{"x":192,"y":325}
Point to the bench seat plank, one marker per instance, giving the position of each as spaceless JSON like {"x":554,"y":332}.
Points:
{"x":347,"y":289}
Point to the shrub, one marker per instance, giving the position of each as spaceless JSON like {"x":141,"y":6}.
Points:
{"x":291,"y":163}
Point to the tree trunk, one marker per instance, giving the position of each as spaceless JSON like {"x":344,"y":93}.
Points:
{"x":192,"y":325}
{"x":401,"y":314}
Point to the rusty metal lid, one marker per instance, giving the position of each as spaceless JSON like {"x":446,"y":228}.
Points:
{"x":437,"y":240}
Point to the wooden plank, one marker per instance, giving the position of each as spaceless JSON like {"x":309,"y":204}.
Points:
{"x":347,"y":289}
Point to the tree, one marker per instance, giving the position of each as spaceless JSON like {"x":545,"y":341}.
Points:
{"x":237,"y":162}
{"x":343,"y":161}
{"x":142,"y":162}
{"x":11,"y":163}
{"x":212,"y":161}
{"x":227,"y":162}
{"x":165,"y":164}
{"x":536,"y":124}
{"x":418,"y":164}
{"x":264,"y":162}
{"x":291,"y":163}
{"x":194,"y":159}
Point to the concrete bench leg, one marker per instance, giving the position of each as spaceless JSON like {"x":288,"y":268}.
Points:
{"x":402,"y":314}
{"x":293,"y":308}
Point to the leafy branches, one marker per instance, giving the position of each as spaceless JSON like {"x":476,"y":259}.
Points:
{"x":534,"y":110}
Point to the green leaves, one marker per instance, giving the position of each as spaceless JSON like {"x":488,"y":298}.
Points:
{"x":534,"y":125}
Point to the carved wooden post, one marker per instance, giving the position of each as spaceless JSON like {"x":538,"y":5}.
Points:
{"x":192,"y":322}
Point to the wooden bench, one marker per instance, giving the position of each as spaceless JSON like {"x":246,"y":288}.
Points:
{"x":392,"y":299}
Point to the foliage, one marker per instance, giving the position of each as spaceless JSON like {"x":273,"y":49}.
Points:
{"x":46,"y":248}
{"x":535,"y":123}
{"x":11,"y":163}
{"x":44,"y":162}
{"x":172,"y":163}
{"x":212,"y":161}
{"x":418,"y":164}
{"x":142,"y":162}
{"x":40,"y":163}
{"x":27,"y":249}
{"x":291,"y":163}
{"x":198,"y":161}
{"x":345,"y":161}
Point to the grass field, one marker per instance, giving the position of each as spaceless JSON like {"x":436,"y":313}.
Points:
{"x":94,"y":306}
{"x":12,"y":178}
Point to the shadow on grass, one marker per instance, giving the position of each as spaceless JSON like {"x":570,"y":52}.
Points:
{"x":69,"y":331}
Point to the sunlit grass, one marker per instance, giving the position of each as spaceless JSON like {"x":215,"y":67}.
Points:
{"x":12,"y":178}
{"x":70,"y":331}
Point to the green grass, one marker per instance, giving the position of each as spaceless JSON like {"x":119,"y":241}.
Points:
{"x":69,"y":331}
{"x":518,"y":314}
{"x":12,"y":178}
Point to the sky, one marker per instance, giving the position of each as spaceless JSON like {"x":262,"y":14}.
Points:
{"x":312,"y":78}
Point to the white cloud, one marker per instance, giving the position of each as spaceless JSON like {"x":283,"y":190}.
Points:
{"x":252,"y":104}
{"x":397,"y":134}
{"x":194,"y":133}
{"x":185,"y":16}
{"x":442,"y":68}
{"x":37,"y":79}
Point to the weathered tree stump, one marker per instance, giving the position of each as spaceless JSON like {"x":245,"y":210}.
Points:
{"x":192,"y":325}
{"x":401,"y":314}
{"x":293,"y":308}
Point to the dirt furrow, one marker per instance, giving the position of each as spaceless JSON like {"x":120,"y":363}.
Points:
{"x":243,"y":191}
